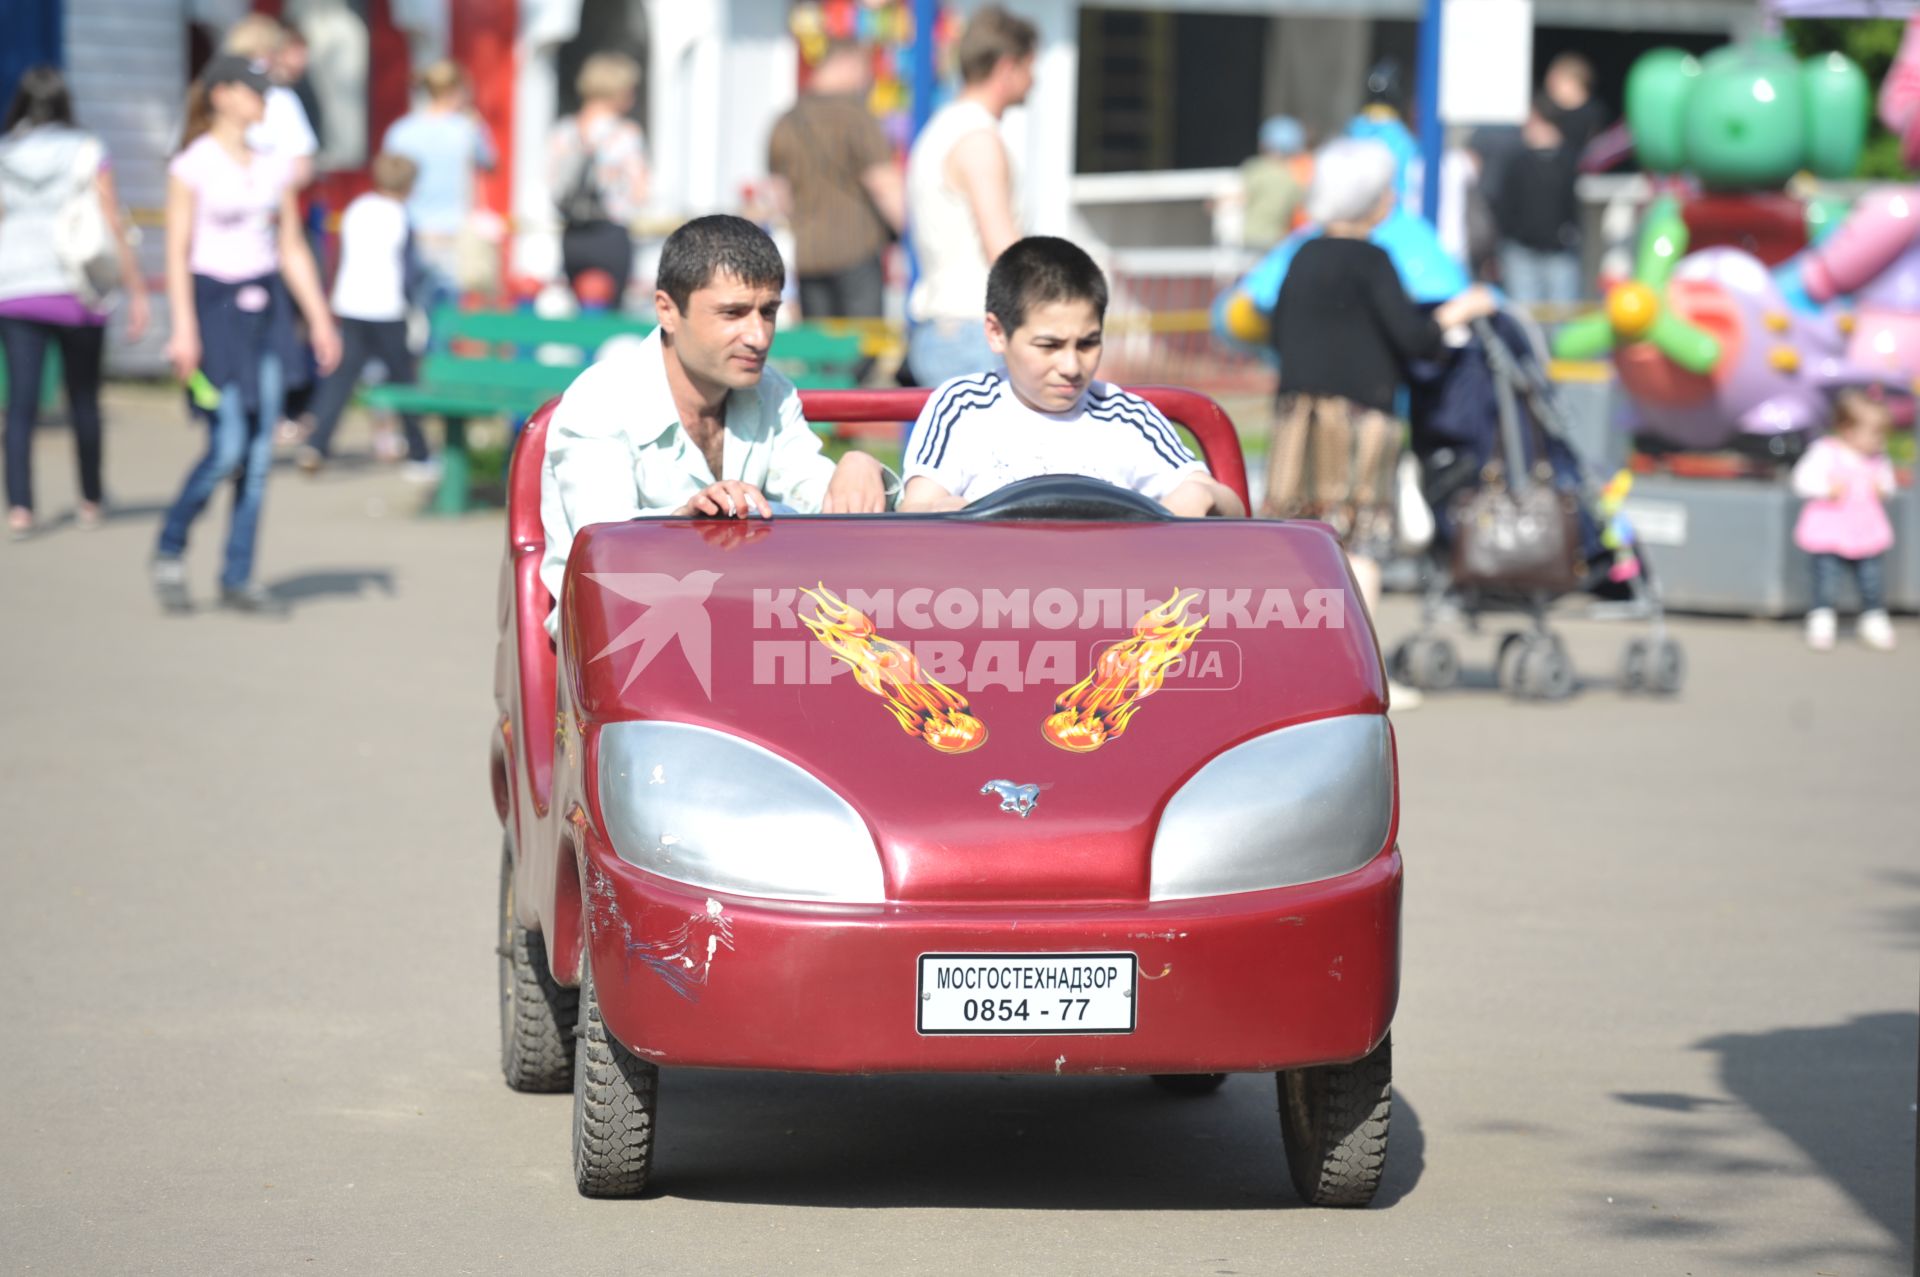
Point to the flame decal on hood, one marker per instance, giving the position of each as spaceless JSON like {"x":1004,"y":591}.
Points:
{"x":1098,"y":708}
{"x":923,"y":706}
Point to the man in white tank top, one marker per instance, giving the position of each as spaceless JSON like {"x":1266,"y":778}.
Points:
{"x":960,"y":202}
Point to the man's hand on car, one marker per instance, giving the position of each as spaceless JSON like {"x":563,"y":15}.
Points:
{"x":858,"y":486}
{"x":727,"y":499}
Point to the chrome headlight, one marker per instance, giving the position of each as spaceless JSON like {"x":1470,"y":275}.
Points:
{"x":1296,"y":805}
{"x":712,"y":810}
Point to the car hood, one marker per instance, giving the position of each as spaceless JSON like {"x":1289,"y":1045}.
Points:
{"x":1102,"y":664}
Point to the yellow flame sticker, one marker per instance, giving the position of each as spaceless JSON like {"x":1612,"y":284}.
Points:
{"x":922,"y":705}
{"x":1098,"y":708}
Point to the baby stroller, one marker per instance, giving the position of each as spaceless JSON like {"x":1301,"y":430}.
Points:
{"x":1492,"y":447}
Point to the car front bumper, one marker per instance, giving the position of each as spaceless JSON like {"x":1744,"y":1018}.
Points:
{"x":1252,"y":982}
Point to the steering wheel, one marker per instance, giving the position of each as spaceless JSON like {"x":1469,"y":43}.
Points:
{"x":1065,"y":496}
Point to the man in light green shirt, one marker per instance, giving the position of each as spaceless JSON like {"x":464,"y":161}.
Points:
{"x":691,"y":421}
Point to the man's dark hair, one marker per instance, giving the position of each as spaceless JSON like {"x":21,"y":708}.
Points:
{"x":1038,"y":271}
{"x":721,"y":244}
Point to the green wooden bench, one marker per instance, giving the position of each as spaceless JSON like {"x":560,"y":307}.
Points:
{"x":496,"y":363}
{"x":52,"y":383}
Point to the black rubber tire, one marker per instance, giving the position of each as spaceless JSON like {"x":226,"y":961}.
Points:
{"x":1666,"y":668}
{"x":1334,"y":1121}
{"x":536,"y":1013}
{"x":615,"y":1097}
{"x":1633,"y":666}
{"x":1398,"y":664}
{"x":1432,"y":664}
{"x":1545,"y":671}
{"x":1189,"y":1084}
{"x":1506,"y":665}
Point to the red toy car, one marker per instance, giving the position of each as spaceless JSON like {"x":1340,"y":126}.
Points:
{"x":1054,"y":784}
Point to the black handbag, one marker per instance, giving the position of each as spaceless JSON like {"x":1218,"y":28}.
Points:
{"x":1519,"y":537}
{"x":1524,"y":538}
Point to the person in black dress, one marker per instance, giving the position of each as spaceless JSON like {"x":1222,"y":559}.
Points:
{"x":1345,"y":329}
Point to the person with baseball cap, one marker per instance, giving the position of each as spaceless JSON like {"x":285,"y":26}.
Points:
{"x":237,"y":265}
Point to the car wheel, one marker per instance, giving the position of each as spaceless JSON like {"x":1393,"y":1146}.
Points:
{"x":536,"y":1012}
{"x":615,"y":1095}
{"x":1333,"y":1120}
{"x":1189,"y":1083}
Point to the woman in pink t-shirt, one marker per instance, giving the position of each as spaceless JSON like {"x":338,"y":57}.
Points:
{"x":1846,"y":479}
{"x":237,"y":263}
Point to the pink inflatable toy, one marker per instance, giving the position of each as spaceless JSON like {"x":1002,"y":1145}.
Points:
{"x":1874,"y":258}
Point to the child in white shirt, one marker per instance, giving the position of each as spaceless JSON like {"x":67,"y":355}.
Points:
{"x":1043,"y":412}
{"x":370,"y":299}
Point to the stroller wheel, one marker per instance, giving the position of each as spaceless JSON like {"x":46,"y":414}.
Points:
{"x":1633,"y":666}
{"x":1666,"y":668}
{"x":1545,"y":671}
{"x":1506,"y":665}
{"x":1427,"y":662}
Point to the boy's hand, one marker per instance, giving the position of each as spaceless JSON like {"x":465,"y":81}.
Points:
{"x":858,"y":486}
{"x":1200,"y":497}
{"x":924,"y":496}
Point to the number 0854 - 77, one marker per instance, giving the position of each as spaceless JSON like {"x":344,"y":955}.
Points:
{"x":989,"y":1010}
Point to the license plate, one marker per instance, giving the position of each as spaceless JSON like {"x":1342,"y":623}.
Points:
{"x":1032,"y":994}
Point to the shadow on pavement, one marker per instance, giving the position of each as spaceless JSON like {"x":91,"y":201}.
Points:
{"x":986,"y":1142}
{"x":1844,"y":1093}
{"x":1902,"y":921}
{"x":304,"y":587}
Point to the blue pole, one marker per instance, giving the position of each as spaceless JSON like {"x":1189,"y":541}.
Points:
{"x":1432,"y":135}
{"x":923,"y":80}
{"x":924,"y":71}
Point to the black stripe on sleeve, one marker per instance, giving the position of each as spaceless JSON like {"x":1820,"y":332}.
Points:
{"x":948,"y":402}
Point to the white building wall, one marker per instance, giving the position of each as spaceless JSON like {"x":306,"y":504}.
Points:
{"x":1732,"y":16}
{"x":127,"y":70}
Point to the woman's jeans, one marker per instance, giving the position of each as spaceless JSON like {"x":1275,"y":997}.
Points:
{"x":25,"y":342}
{"x":942,"y":349}
{"x":1869,"y":574}
{"x":239,"y":447}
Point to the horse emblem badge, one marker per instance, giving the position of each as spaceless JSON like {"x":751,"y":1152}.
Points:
{"x":1018,"y":799}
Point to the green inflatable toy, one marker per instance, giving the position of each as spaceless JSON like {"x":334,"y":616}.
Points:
{"x":1748,"y":116}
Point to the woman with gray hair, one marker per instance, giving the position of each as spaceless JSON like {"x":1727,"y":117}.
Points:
{"x":1345,"y":330}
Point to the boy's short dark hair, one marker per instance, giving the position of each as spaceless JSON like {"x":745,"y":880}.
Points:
{"x":721,"y":244}
{"x":1038,"y":271}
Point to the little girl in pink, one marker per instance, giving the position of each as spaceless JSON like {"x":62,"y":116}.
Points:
{"x":1846,"y":479}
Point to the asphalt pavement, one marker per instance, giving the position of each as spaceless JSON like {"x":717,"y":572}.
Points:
{"x":1658,"y":1011}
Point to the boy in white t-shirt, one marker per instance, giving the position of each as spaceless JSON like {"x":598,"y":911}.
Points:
{"x":1043,"y":412}
{"x":370,"y":300}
